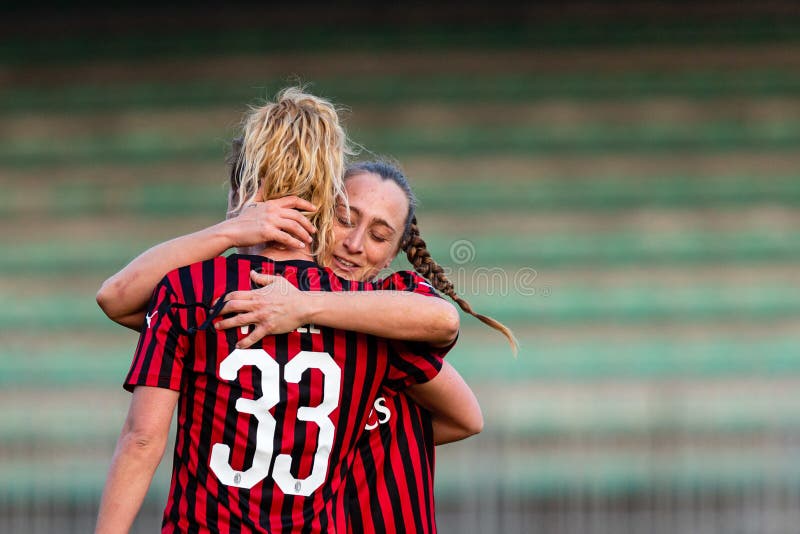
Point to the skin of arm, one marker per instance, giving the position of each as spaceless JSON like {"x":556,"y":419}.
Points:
{"x":279,"y":307}
{"x":139,"y":450}
{"x":454,"y":408}
{"x":124,"y":296}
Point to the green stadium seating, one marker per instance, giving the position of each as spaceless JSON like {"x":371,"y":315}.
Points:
{"x":558,"y":420}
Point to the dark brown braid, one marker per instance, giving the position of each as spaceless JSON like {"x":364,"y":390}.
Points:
{"x":417,"y":252}
{"x":414,"y":246}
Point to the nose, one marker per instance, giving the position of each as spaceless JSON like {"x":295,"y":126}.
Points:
{"x":354,"y":242}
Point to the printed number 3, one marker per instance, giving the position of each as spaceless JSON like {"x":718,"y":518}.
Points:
{"x":265,"y":432}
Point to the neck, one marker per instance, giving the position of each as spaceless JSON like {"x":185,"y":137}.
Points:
{"x":276,"y":252}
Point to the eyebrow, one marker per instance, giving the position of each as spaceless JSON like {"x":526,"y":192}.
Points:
{"x":377,"y":220}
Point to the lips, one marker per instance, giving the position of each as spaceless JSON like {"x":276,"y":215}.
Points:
{"x":345,"y":264}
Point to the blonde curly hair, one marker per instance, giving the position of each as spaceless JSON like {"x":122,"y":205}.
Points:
{"x":293,"y":146}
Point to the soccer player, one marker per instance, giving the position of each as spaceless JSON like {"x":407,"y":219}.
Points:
{"x":390,"y":486}
{"x":280,"y":469}
{"x":391,"y":481}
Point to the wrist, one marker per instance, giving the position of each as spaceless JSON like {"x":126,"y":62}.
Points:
{"x":223,"y":232}
{"x":313,"y":306}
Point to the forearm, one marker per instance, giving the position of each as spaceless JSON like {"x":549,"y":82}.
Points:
{"x":446,"y":431}
{"x":129,"y":478}
{"x":124,"y":296}
{"x":454,"y":408}
{"x":390,"y":314}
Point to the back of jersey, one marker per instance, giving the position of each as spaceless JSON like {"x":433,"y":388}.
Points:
{"x":265,"y":435}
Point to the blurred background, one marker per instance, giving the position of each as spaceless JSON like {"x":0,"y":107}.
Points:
{"x":617,"y":182}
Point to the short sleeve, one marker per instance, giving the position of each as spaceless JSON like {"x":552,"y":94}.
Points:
{"x":407,"y":281}
{"x":412,"y":362}
{"x":160,"y":353}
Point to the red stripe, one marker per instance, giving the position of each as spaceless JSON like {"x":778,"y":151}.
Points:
{"x":266,"y":498}
{"x":183,"y":508}
{"x":397,"y":462}
{"x":381,"y":490}
{"x":144,"y":342}
{"x":300,"y":465}
{"x":364,"y":498}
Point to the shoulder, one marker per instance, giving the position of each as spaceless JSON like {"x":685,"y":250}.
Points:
{"x":182,"y":283}
{"x":404,"y":281}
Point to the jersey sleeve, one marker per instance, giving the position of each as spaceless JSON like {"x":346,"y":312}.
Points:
{"x":162,"y":347}
{"x":408,"y":281}
{"x":412,"y":362}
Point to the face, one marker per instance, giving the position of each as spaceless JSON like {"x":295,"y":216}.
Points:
{"x":370,"y":239}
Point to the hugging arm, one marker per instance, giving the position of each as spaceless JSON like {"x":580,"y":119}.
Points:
{"x":125,"y":295}
{"x":279,"y":307}
{"x":455,"y":411}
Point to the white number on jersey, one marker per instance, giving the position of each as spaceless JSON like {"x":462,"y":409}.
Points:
{"x":265,"y":430}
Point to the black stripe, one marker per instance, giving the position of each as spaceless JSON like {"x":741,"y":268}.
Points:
{"x":402,"y":437}
{"x":237,"y":522}
{"x":367,"y":400}
{"x":209,"y":348}
{"x":426,"y":429}
{"x":348,"y":381}
{"x":307,"y":343}
{"x":352,"y":503}
{"x":282,"y":357}
{"x":368,"y":459}
{"x":146,"y":353}
{"x":308,"y":519}
{"x":172,"y":513}
{"x":328,"y":344}
{"x":187,"y":288}
{"x":416,"y":374}
{"x":374,"y":472}
{"x":170,"y":345}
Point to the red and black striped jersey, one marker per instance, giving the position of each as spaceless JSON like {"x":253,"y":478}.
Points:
{"x":390,"y":486}
{"x":266,"y":435}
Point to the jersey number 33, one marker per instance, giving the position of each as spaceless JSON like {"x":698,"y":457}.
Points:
{"x":265,"y":432}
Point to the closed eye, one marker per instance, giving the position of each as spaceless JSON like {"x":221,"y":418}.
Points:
{"x":344,"y":222}
{"x":380,"y":238}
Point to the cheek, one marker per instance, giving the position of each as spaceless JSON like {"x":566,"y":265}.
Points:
{"x":339,"y":234}
{"x":381,"y":254}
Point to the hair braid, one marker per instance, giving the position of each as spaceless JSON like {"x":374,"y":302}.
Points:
{"x":417,"y":252}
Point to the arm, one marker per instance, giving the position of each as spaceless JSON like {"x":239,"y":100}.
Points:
{"x":454,"y":408}
{"x":279,"y":307}
{"x":124,"y":296}
{"x":139,"y":450}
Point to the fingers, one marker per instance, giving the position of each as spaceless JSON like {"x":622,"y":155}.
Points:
{"x":236,"y":321}
{"x":295,"y":202}
{"x":261,"y":279}
{"x":237,"y":299}
{"x":236,"y":295}
{"x":301,"y":219}
{"x":295,"y":230}
{"x":237,"y":306}
{"x":287,"y":240}
{"x":257,"y":334}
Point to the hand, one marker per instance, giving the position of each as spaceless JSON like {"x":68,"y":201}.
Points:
{"x":274,"y":220}
{"x":276,"y":308}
